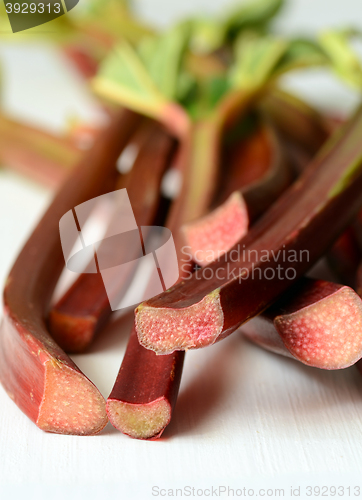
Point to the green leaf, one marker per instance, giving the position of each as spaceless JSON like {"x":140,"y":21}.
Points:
{"x":163,"y":56}
{"x":124,"y":79}
{"x":343,"y":59}
{"x":301,"y":53}
{"x":255,"y":60}
{"x":209,"y":34}
{"x":253,"y":15}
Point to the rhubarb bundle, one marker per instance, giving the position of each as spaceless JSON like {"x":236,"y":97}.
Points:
{"x":267,"y":186}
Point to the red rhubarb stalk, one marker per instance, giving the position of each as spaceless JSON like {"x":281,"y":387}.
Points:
{"x":316,"y":322}
{"x":304,"y":131}
{"x":41,"y":379}
{"x":84,"y":309}
{"x":345,"y":256}
{"x":145,"y":392}
{"x":214,"y":301}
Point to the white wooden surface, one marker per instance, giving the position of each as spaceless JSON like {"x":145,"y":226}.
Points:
{"x":244,"y":418}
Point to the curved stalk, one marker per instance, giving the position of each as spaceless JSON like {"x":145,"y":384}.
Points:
{"x":41,"y":379}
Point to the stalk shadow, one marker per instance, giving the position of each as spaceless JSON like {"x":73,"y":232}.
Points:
{"x":311,"y":390}
{"x":210,"y":387}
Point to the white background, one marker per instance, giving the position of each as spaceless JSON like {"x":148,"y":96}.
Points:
{"x":244,"y":418}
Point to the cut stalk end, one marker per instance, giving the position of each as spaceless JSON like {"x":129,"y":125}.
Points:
{"x":165,"y":330}
{"x":72,"y":333}
{"x":215,"y":234}
{"x":71,"y":404}
{"x":140,"y":421}
{"x":326,"y":334}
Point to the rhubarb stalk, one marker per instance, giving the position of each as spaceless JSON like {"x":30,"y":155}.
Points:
{"x":316,"y":322}
{"x":145,"y":392}
{"x":41,"y":379}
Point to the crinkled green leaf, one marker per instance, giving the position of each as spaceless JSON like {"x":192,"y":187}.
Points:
{"x":210,"y":34}
{"x":149,"y":78}
{"x":254,"y":14}
{"x":343,"y":58}
{"x":123,"y":78}
{"x":255,"y":60}
{"x":162,"y":57}
{"x":301,"y":53}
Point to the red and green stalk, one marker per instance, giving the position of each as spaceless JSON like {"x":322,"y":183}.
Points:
{"x":145,"y":392}
{"x":200,"y":142}
{"x":316,"y":322}
{"x":41,"y":379}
